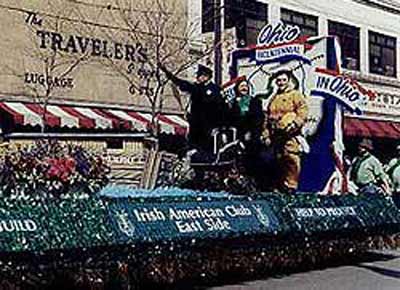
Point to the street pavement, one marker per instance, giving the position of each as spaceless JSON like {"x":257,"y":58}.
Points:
{"x":376,"y":271}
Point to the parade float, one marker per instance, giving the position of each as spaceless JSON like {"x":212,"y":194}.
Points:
{"x":69,"y":226}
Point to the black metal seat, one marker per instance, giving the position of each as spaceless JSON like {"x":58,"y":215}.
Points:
{"x":226,"y":147}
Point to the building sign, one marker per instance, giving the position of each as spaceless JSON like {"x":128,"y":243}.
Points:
{"x":126,"y":168}
{"x":55,"y":52}
{"x":384,"y":106}
{"x":91,"y":46}
{"x":44,"y":81}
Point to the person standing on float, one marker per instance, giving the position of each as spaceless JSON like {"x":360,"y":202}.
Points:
{"x":246,"y":115}
{"x":286,"y":115}
{"x":208,"y":109}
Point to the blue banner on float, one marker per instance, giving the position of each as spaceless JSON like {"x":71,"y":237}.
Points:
{"x":174,"y":221}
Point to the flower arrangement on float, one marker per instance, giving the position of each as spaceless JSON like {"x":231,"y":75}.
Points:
{"x":50,"y":168}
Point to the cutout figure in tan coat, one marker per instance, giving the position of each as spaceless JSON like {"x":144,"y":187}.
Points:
{"x":286,"y":114}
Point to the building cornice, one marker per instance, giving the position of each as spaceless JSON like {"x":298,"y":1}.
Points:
{"x":372,"y":79}
{"x":386,"y":5}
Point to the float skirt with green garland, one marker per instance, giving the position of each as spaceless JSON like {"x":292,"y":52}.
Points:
{"x":172,"y":235}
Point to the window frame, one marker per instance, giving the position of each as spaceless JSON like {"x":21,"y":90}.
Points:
{"x":347,"y":32}
{"x":305,"y":18}
{"x":207,"y":8}
{"x":380,"y":42}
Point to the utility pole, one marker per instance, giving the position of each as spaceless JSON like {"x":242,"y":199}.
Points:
{"x":218,"y":39}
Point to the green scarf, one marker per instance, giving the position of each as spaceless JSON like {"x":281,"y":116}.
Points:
{"x":244,"y":104}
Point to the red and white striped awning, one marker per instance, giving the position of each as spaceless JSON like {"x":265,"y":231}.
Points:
{"x":356,"y":127}
{"x":29,"y":114}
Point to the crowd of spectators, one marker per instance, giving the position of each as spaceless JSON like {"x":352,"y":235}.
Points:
{"x":367,"y":174}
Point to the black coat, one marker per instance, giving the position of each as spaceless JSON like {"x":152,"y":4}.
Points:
{"x":208,"y":110}
{"x":251,"y":121}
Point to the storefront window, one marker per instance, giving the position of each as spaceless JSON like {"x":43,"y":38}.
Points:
{"x":349,"y":37}
{"x":382,"y":54}
{"x":308,"y":24}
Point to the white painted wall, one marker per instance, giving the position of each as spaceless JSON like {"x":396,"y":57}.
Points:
{"x":345,"y":11}
{"x":194,"y":10}
{"x":349,"y":12}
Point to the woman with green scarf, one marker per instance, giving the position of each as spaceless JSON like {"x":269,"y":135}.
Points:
{"x":247,"y":115}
